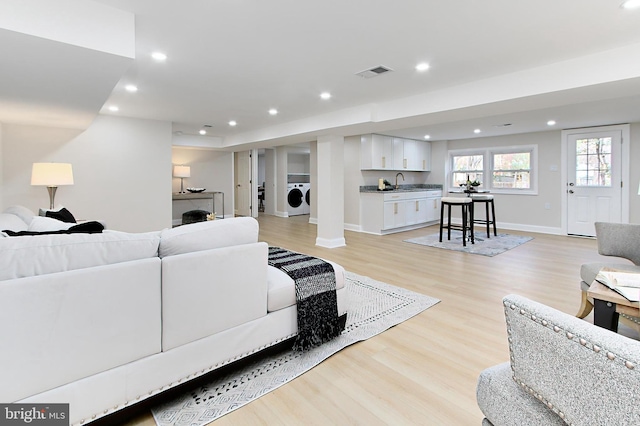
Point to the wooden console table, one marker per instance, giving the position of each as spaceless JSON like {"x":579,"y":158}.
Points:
{"x":177,"y":196}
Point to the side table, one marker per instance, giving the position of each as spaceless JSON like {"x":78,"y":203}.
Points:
{"x":608,"y":305}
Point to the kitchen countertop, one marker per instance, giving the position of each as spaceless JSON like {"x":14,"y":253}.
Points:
{"x":404,"y":188}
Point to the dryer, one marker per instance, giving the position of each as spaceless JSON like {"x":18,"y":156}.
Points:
{"x":295,"y":199}
{"x":306,"y":190}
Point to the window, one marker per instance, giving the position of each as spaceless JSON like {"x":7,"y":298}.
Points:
{"x":511,"y":170}
{"x":467,"y":167}
{"x":505,"y":169}
{"x":593,"y":162}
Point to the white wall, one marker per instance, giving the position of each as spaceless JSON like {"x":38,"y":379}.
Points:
{"x":210,"y":169}
{"x":1,"y":173}
{"x":634,"y":175}
{"x":528,"y":210}
{"x":121,"y":167}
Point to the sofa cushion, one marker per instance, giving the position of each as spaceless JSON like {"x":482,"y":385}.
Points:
{"x":22,"y":212}
{"x":504,"y":402}
{"x":45,"y":254}
{"x":588,"y":271}
{"x":208,"y":235}
{"x":282,"y":290}
{"x":10,"y":222}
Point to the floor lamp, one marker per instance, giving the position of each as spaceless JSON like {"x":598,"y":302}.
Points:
{"x":51,"y":175}
{"x":181,"y":172}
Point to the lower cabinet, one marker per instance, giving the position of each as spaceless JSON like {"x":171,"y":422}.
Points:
{"x":390,"y":212}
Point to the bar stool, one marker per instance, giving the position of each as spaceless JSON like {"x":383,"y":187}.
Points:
{"x":486,"y":199}
{"x":467,"y":217}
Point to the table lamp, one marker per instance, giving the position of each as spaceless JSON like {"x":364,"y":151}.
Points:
{"x":51,"y":175}
{"x":181,"y":172}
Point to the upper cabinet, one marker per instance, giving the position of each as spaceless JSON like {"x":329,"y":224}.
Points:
{"x":379,"y":152}
{"x":376,"y":152}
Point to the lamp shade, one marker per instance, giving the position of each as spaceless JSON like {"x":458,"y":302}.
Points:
{"x":182,"y":171}
{"x":51,"y":174}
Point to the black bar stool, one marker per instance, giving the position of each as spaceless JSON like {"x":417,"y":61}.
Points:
{"x":488,"y":220}
{"x":467,"y":218}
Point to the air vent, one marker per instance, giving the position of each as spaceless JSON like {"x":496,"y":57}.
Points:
{"x":373,"y":72}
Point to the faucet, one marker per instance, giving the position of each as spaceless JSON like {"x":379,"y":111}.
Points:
{"x":399,"y":174}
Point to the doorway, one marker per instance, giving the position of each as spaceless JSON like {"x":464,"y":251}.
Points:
{"x":242,"y":183}
{"x":596,"y":169}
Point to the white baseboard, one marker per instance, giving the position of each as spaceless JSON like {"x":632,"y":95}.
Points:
{"x":282,"y":214}
{"x":527,"y":228}
{"x":331,"y":243}
{"x":352,"y":227}
{"x":313,"y":220}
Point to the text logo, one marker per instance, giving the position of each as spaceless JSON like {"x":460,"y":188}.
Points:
{"x":34,"y":414}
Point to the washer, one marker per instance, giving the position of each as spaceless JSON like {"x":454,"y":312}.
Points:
{"x":295,"y":199}
{"x":306,"y":190}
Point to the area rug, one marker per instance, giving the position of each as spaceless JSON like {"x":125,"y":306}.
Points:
{"x":373,"y":307}
{"x":483,"y":245}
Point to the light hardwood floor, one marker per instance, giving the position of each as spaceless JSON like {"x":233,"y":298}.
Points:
{"x":423,"y":371}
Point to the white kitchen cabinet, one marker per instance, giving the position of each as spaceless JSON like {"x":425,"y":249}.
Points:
{"x":376,"y":152}
{"x":394,"y":214}
{"x":411,"y":155}
{"x":386,"y":212}
{"x":432,"y":208}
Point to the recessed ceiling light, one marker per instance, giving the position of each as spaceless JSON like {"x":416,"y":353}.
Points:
{"x":131,"y":88}
{"x":159,"y":56}
{"x":423,"y":66}
{"x":630,"y":4}
{"x":325,"y":95}
{"x":551,"y":123}
{"x":427,"y":136}
{"x":203,"y":132}
{"x":232,"y":123}
{"x":477,"y":131}
{"x":114,"y":108}
{"x":273,"y":111}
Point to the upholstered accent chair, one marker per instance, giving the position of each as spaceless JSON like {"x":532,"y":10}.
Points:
{"x":617,"y":240}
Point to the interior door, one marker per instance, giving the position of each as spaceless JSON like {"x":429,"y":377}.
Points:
{"x":594,"y":186}
{"x":243,"y":184}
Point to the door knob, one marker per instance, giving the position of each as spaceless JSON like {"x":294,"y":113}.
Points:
{"x":571,"y":183}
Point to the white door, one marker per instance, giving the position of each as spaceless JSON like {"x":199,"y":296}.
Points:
{"x":594,"y":185}
{"x":243,"y":184}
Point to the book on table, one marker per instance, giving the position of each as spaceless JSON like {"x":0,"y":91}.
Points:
{"x":624,"y":283}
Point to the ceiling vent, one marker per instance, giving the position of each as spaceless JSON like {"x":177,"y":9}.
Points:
{"x":373,"y":72}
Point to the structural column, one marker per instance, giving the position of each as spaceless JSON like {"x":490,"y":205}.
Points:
{"x":330,"y":188}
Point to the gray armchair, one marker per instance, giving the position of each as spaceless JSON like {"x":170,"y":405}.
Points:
{"x":562,"y":371}
{"x":617,"y":240}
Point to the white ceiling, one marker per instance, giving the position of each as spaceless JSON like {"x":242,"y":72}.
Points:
{"x":235,"y":59}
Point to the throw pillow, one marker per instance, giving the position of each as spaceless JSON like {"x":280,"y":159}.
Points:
{"x":63,"y":214}
{"x":22,"y":212}
{"x":41,"y":224}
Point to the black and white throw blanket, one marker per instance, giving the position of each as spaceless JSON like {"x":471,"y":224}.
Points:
{"x":316,"y":298}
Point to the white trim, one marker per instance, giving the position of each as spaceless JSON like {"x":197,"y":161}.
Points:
{"x":331,"y":243}
{"x":625,"y":153}
{"x":282,"y":214}
{"x":487,"y":155}
{"x":527,"y":228}
{"x":350,"y":227}
{"x":313,"y":220}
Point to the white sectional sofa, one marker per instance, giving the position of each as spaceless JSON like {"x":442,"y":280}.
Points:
{"x":102,"y":321}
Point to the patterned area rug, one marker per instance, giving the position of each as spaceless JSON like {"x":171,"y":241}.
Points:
{"x":484,"y":246}
{"x":373,"y":308}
